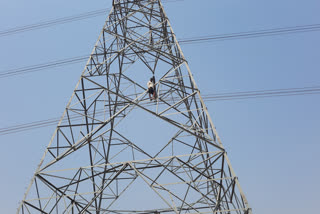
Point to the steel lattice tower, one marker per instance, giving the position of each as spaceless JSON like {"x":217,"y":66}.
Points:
{"x":98,"y":161}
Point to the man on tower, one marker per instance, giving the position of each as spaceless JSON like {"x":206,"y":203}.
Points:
{"x":152,"y":88}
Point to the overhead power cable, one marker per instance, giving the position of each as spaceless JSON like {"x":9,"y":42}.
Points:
{"x":253,"y":34}
{"x":59,"y":21}
{"x":52,"y":22}
{"x":186,"y":41}
{"x":207,"y":97}
{"x":42,"y":66}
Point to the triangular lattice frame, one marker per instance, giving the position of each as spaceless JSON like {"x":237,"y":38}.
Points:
{"x":91,"y":164}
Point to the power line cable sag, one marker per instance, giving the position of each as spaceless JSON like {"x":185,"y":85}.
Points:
{"x":52,"y":22}
{"x":207,"y":97}
{"x":186,"y":41}
{"x":42,"y":66}
{"x":253,"y":34}
{"x":59,"y":21}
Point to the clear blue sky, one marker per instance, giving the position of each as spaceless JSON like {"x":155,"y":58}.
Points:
{"x":273,"y":143}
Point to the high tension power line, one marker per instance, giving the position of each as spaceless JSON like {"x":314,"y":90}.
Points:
{"x":253,"y":34}
{"x":206,"y":97}
{"x":51,"y":23}
{"x":185,"y":41}
{"x":59,"y":21}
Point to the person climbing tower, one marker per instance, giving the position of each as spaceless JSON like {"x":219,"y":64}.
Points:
{"x":152,"y":88}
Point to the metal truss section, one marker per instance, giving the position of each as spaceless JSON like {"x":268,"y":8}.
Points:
{"x":99,"y":162}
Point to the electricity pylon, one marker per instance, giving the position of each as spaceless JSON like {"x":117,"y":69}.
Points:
{"x":115,"y":150}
